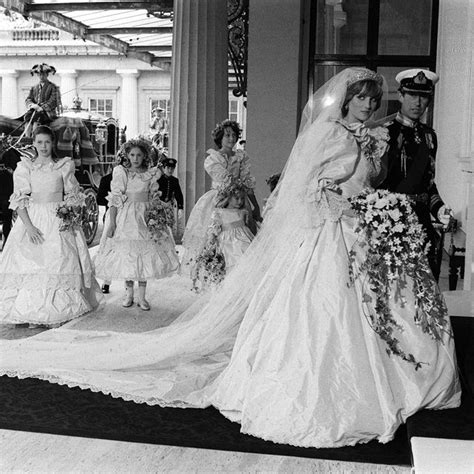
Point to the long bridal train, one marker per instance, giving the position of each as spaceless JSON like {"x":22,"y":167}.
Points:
{"x":284,"y":347}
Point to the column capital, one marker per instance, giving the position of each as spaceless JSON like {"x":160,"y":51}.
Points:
{"x":67,"y":72}
{"x":128,"y":72}
{"x":9,"y":72}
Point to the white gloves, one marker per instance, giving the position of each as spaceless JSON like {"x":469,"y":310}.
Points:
{"x":180,"y":213}
{"x":445,"y":214}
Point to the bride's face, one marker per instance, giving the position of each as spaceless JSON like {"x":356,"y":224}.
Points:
{"x":360,"y":108}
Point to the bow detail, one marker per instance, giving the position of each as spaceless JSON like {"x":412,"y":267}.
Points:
{"x":373,"y":142}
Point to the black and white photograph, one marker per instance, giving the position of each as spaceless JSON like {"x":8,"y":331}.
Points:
{"x":236,"y":236}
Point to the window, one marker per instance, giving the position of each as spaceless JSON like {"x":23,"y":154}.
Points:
{"x":162,"y":104}
{"x":101,"y":106}
{"x":234,"y":110}
{"x":387,"y":36}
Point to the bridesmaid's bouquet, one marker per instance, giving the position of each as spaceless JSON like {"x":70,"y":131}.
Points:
{"x":209,"y":268}
{"x":71,"y":216}
{"x":159,"y":217}
{"x":394,"y":248}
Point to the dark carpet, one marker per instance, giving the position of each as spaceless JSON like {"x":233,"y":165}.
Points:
{"x":457,"y":423}
{"x":39,"y":406}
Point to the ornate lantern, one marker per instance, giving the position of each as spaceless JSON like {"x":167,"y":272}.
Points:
{"x":101,"y":133}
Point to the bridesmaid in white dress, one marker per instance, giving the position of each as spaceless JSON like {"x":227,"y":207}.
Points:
{"x":46,"y":274}
{"x":227,"y":235}
{"x":221,"y":165}
{"x":229,"y":222}
{"x":127,"y":250}
{"x":284,"y":347}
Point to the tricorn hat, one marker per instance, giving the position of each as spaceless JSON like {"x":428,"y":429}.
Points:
{"x":420,"y":81}
{"x":43,"y":67}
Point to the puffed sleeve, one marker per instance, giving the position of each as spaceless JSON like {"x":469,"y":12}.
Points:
{"x":216,"y":166}
{"x":20,"y":198}
{"x":339,"y":160}
{"x":245,"y":174}
{"x":118,"y":187}
{"x":73,"y":195}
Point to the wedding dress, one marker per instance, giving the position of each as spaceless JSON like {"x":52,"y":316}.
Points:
{"x":283,"y":347}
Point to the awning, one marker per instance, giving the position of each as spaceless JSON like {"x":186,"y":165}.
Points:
{"x":142,"y":30}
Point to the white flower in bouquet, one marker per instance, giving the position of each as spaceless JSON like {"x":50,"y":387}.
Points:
{"x":397,"y":249}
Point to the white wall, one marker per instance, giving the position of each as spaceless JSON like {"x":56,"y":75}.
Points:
{"x":454,"y":100}
{"x":96,"y":77}
{"x":273,"y":70}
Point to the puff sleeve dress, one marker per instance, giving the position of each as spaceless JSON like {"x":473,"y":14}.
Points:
{"x":52,"y":282}
{"x":131,"y":254}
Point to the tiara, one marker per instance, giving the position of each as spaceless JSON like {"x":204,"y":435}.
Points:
{"x":364,"y":75}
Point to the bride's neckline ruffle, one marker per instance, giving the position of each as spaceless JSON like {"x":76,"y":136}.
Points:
{"x":373,"y":141}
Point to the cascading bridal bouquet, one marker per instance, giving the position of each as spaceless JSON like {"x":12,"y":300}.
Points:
{"x":392,"y":244}
{"x":159,"y":216}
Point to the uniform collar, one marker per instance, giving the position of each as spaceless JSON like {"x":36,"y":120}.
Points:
{"x":407,"y":122}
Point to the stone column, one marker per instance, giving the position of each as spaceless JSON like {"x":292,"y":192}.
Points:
{"x":198,"y":89}
{"x":129,"y":101}
{"x":10,"y":93}
{"x":68,"y":86}
{"x":454,"y":120}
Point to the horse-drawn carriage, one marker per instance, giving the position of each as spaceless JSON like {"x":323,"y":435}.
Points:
{"x":91,"y":140}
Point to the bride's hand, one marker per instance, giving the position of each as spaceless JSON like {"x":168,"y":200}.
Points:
{"x":35,"y":235}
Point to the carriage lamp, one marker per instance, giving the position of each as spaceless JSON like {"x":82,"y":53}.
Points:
{"x":101,"y":133}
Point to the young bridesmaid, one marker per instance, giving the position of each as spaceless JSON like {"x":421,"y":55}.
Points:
{"x":221,"y":165}
{"x":228,"y":237}
{"x":229,"y":224}
{"x":127,"y":250}
{"x":46,"y":273}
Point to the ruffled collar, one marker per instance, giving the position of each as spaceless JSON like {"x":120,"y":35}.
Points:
{"x":237,"y":156}
{"x":373,"y":141}
{"x":32,"y":164}
{"x":365,"y":134}
{"x":150,"y":173}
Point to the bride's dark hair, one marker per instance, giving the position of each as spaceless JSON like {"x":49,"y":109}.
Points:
{"x":367,"y":87}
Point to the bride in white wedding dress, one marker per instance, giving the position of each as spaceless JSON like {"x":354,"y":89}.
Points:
{"x":283,"y":347}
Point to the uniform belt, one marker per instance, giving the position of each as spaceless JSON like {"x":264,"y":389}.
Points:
{"x":138,"y":197}
{"x":47,"y":197}
{"x":422,"y":197}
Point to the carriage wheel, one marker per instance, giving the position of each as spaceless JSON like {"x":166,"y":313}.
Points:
{"x":90,"y":224}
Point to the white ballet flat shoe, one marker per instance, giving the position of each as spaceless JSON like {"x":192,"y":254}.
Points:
{"x":128,"y":298}
{"x":143,"y":305}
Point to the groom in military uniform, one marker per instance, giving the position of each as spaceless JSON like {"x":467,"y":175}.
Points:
{"x":412,"y":154}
